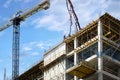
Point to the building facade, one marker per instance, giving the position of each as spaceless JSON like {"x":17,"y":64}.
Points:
{"x":93,"y":53}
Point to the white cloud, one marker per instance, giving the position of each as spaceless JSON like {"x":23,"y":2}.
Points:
{"x":114,"y":8}
{"x":29,"y":54}
{"x":34,"y":45}
{"x":44,"y":45}
{"x":45,"y":19}
{"x":35,"y":54}
{"x":7,"y":3}
{"x":27,"y":48}
{"x":57,"y":18}
{"x":36,"y":48}
{"x":50,"y":22}
{"x":82,"y":3}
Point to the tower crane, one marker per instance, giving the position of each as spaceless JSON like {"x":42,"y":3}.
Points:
{"x":20,"y":17}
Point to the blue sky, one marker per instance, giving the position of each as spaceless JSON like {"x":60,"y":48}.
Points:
{"x":45,"y":29}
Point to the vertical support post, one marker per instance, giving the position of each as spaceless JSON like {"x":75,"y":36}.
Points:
{"x":100,"y":51}
{"x":65,"y":69}
{"x":75,"y":55}
{"x":15,"y":48}
{"x":118,"y":72}
{"x":75,"y":63}
{"x":75,"y":43}
{"x":65,"y":62}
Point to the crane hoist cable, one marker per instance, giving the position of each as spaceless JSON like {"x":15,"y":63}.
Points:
{"x":71,"y":12}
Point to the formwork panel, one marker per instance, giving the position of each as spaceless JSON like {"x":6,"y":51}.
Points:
{"x":81,"y":70}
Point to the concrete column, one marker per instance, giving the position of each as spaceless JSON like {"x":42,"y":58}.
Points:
{"x":118,"y":72}
{"x":100,"y":51}
{"x":65,"y":69}
{"x":75,"y":63}
{"x":75,"y":43}
{"x":75,"y":55}
{"x":75,"y":58}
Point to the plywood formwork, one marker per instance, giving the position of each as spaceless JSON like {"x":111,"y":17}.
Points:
{"x":88,"y":35}
{"x":82,"y":70}
{"x":110,"y":25}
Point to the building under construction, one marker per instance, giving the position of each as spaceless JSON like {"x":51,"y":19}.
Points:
{"x":93,"y":53}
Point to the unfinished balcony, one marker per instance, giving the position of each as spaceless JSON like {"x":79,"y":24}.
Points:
{"x":88,"y":69}
{"x":81,"y":70}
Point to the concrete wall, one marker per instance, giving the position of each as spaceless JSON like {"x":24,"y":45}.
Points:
{"x":54,"y":54}
{"x":57,"y":70}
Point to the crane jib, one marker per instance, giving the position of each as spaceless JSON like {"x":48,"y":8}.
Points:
{"x":44,"y":5}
